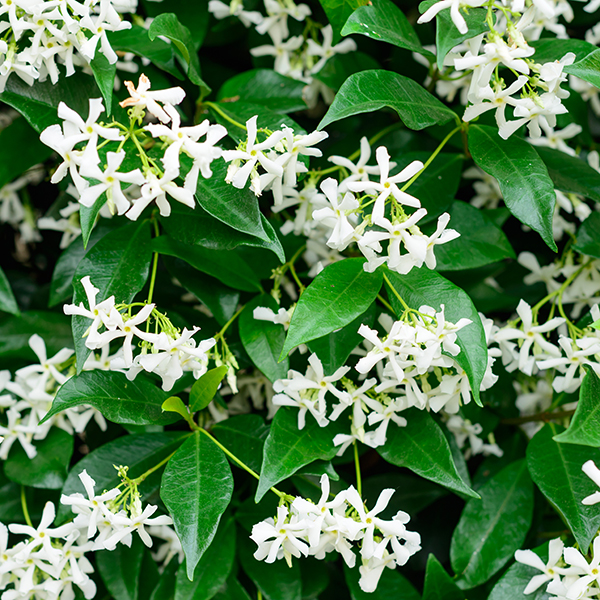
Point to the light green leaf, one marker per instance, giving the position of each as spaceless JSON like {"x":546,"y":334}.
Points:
{"x":588,"y":236}
{"x":368,"y":91}
{"x":8,"y":303}
{"x":491,"y":529}
{"x":438,"y":584}
{"x":205,"y":388}
{"x":338,"y":12}
{"x":120,"y":569}
{"x":526,"y":186}
{"x":336,"y":296}
{"x":196,"y":488}
{"x":104,"y":74}
{"x":175,"y":404}
{"x":588,"y":68}
{"x":422,"y":448}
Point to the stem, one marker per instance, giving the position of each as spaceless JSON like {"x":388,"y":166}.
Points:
{"x":542,"y":416}
{"x":24,"y":507}
{"x":226,"y":326}
{"x":300,"y":285}
{"x":225,"y":116}
{"x":154,"y":265}
{"x":241,"y":464}
{"x":357,"y":467}
{"x":385,"y":303}
{"x":400,"y":299}
{"x":143,"y":476}
{"x":430,"y":159}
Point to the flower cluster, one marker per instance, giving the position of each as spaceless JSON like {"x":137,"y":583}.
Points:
{"x":342,"y":524}
{"x":51,"y":561}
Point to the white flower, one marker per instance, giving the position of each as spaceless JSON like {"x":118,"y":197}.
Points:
{"x":326,"y":50}
{"x":549,"y":570}
{"x":142,"y":97}
{"x":592,"y":471}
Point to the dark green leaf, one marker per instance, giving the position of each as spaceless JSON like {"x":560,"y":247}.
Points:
{"x":48,"y":470}
{"x":336,"y":296}
{"x":588,"y":236}
{"x":422,"y":447}
{"x":340,"y":66}
{"x":263,"y":340}
{"x":491,"y":529}
{"x":205,"y":388}
{"x":526,"y":186}
{"x":556,"y":470}
{"x":424,"y":287}
{"x":104,"y":74}
{"x":438,"y":584}
{"x":585,"y":423}
{"x":383,"y":20}
{"x":165,"y":590}
{"x":338,"y":11}
{"x":232,"y":589}
{"x":149,"y":576}
{"x":120,"y":569}
{"x":267,"y":88}
{"x":588,"y":68}
{"x":288,"y":449}
{"x":195,"y":15}
{"x":371,"y":90}
{"x":391,"y":586}
{"x":8,"y":302}
{"x":196,"y":488}
{"x":550,"y":49}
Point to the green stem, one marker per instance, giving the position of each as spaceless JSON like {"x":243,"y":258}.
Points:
{"x":357,"y":467}
{"x":143,"y":476}
{"x":400,"y":299}
{"x":226,"y":326}
{"x":218,"y":110}
{"x":385,"y":303}
{"x":24,"y":507}
{"x":154,"y":266}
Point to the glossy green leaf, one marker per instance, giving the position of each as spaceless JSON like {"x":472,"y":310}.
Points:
{"x":104,"y":74}
{"x":491,"y":529}
{"x":212,"y":570}
{"x":422,"y":447}
{"x":588,"y":68}
{"x":382,"y":20}
{"x":526,"y":186}
{"x":392,"y":585}
{"x":139,"y":452}
{"x":165,"y":590}
{"x":556,"y":470}
{"x":117,"y":265}
{"x":48,"y":469}
{"x":232,"y":589}
{"x":136,"y":402}
{"x":8,"y":302}
{"x":340,"y":66}
{"x":371,"y":90}
{"x":438,"y":584}
{"x":585,"y":423}
{"x":196,"y":488}
{"x":175,"y":404}
{"x":120,"y":569}
{"x":338,"y":12}
{"x":550,"y":49}
{"x":588,"y":236}
{"x":480,"y":243}
{"x":263,"y":340}
{"x":287,"y":448}
{"x":149,"y":576}
{"x":195,"y":15}
{"x":227,"y":266}
{"x":267,"y":88}
{"x":336,"y":296}
{"x":205,"y":388}
{"x":424,"y":287}
{"x":571,"y":174}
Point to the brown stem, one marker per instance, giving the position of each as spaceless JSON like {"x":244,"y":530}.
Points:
{"x":543,"y":416}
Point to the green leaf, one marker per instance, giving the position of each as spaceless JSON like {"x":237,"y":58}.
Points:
{"x":571,"y":174}
{"x":422,"y":447}
{"x":424,"y":287}
{"x":526,"y":186}
{"x":136,"y":402}
{"x":480,"y":243}
{"x":48,"y":470}
{"x":120,"y":569}
{"x":196,"y":488}
{"x":588,"y":236}
{"x":340,"y":66}
{"x":232,"y":589}
{"x":383,"y":20}
{"x":117,"y":265}
{"x":175,"y":404}
{"x":205,"y":388}
{"x":438,"y":584}
{"x":194,"y":15}
{"x":168,"y":25}
{"x":8,"y":302}
{"x":227,"y":266}
{"x":335,"y":297}
{"x":276,"y":581}
{"x":491,"y":529}
{"x":288,"y":449}
{"x":149,"y":576}
{"x":371,"y":90}
{"x":165,"y":590}
{"x":585,"y":423}
{"x":244,"y":436}
{"x":265,"y":87}
{"x":104,"y":74}
{"x":588,"y":68}
{"x":338,"y":12}
{"x":263,"y":340}
{"x":556,"y":470}
{"x":551,"y":49}
{"x":138,"y":452}
{"x":391,"y":586}
{"x":212,"y":570}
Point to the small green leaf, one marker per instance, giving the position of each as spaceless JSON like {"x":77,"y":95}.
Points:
{"x":8,"y":302}
{"x":336,"y":296}
{"x":338,"y":12}
{"x":104,"y":74}
{"x":175,"y":404}
{"x":438,"y":584}
{"x":422,"y":447}
{"x":556,"y":470}
{"x":288,"y":449}
{"x":120,"y":569}
{"x":205,"y":388}
{"x":383,"y":20}
{"x":391,"y":586}
{"x":588,"y":68}
{"x":48,"y":469}
{"x":368,"y":91}
{"x":588,"y":236}
{"x":196,"y":488}
{"x":491,"y":529}
{"x":526,"y":186}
